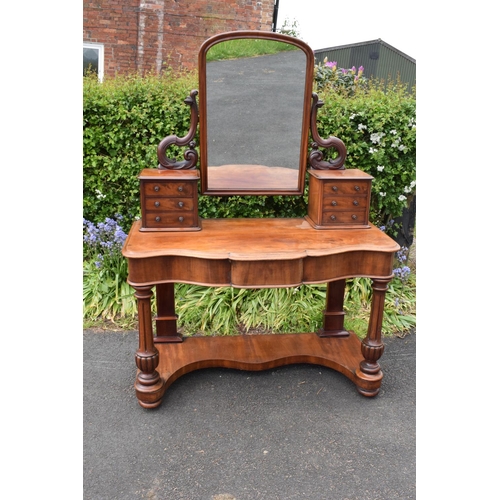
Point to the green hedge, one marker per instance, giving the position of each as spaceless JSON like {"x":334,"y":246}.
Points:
{"x":125,"y":118}
{"x":378,"y":127}
{"x":123,"y":121}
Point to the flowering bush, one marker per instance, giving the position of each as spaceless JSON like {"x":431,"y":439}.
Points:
{"x":378,"y":127}
{"x":328,"y":75}
{"x":106,"y":293}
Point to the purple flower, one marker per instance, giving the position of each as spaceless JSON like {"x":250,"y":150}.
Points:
{"x":107,"y":237}
{"x":402,"y":272}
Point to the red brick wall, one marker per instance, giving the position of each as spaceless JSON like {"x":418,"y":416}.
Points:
{"x":147,"y":35}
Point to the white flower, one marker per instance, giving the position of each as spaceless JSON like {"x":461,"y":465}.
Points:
{"x":372,"y":150}
{"x":361,"y":126}
{"x":413,"y":184}
{"x":393,"y":132}
{"x":353,"y":116}
{"x":402,"y":147}
{"x":380,"y":168}
{"x":407,"y":189}
{"x":375,"y":138}
{"x":402,"y":197}
{"x":100,"y":196}
{"x":382,"y":194}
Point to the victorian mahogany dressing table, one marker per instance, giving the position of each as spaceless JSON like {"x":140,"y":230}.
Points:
{"x":335,"y":241}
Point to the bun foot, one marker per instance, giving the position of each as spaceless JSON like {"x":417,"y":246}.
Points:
{"x":368,"y":385}
{"x":150,"y":396}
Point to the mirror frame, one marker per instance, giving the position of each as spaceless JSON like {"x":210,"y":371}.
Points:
{"x":306,"y":111}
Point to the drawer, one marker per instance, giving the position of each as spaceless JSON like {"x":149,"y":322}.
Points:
{"x":162,"y":204}
{"x":172,"y":188}
{"x":344,"y":202}
{"x":169,"y":219}
{"x":346,"y":187}
{"x":351,"y":217}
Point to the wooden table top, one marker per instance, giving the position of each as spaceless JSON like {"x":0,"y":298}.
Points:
{"x":255,"y":239}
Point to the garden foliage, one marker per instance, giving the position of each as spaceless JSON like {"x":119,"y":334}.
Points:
{"x":125,"y":118}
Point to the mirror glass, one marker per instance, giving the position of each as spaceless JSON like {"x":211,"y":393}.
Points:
{"x":254,"y":115}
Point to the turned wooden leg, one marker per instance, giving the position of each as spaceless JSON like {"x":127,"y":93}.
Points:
{"x":166,"y":319}
{"x":149,"y":387}
{"x":372,"y":346}
{"x":333,"y":315}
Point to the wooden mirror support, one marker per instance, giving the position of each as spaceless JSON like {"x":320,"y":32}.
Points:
{"x":338,"y":198}
{"x":169,"y":194}
{"x":335,"y":241}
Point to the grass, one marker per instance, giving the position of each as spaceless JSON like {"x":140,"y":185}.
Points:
{"x":235,"y":49}
{"x":231,"y":311}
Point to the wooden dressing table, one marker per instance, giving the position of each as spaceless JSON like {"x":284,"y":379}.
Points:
{"x":335,"y":241}
{"x":256,"y":253}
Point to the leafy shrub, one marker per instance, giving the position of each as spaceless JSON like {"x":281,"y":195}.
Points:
{"x":106,"y":293}
{"x":124,"y":119}
{"x":290,"y":28}
{"x":378,"y":126}
{"x":348,"y":81}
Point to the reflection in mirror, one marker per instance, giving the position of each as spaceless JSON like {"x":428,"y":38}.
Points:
{"x":256,"y":119}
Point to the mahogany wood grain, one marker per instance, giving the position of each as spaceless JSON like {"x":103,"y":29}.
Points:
{"x":333,"y":315}
{"x":166,"y":319}
{"x":256,"y":253}
{"x":263,"y":352}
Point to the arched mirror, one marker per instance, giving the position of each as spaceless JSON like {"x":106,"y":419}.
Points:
{"x":254,"y":115}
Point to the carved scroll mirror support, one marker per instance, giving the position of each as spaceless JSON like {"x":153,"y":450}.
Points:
{"x":316,"y":156}
{"x":190,"y":155}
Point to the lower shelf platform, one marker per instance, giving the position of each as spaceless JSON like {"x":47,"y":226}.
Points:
{"x":256,"y":353}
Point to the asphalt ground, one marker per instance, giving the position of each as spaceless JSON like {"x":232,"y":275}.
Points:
{"x":295,"y":432}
